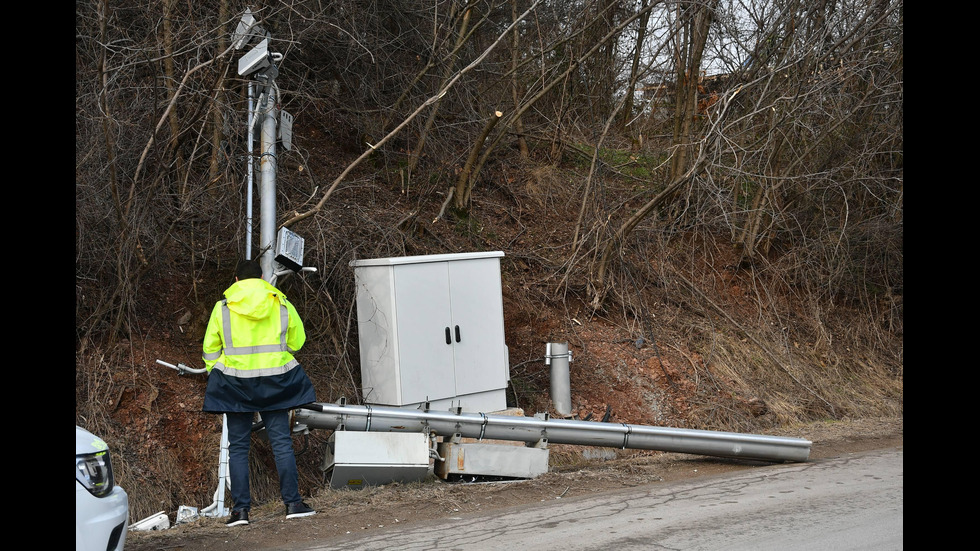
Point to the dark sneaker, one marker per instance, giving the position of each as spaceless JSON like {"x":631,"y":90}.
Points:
{"x":297,"y":510}
{"x":237,"y":518}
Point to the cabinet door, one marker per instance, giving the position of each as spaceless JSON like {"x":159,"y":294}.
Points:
{"x":477,"y":308}
{"x":425,"y":359}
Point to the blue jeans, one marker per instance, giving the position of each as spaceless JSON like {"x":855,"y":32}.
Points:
{"x":239,"y":444}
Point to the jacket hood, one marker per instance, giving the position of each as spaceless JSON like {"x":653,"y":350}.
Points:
{"x":254,"y":298}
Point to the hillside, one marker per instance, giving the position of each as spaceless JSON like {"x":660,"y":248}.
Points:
{"x":720,"y":251}
{"x":667,"y":355}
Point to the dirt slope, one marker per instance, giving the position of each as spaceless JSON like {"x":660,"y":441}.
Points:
{"x":660,"y":354}
{"x":169,"y":454}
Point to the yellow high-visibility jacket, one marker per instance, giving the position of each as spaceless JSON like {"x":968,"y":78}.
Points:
{"x":248,"y":351}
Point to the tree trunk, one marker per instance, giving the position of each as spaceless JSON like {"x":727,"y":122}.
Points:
{"x":688,"y":59}
{"x":169,"y":78}
{"x":464,"y":184}
{"x":515,"y":85}
{"x":450,"y":63}
{"x":217,"y":116}
{"x":641,"y":32}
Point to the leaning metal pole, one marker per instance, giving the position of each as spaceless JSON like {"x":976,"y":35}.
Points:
{"x":556,"y":431}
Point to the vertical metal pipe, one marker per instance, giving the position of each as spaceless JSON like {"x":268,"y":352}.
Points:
{"x":558,"y":356}
{"x":251,"y":166}
{"x":267,"y":188}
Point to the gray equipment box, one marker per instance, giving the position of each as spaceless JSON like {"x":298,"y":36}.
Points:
{"x":490,"y":461}
{"x":356,"y":460}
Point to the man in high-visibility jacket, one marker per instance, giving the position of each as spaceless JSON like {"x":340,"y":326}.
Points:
{"x":248,"y":352}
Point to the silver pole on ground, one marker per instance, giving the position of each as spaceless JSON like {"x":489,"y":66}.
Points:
{"x":555,"y":431}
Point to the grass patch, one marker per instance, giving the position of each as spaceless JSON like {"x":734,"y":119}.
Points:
{"x":641,"y":165}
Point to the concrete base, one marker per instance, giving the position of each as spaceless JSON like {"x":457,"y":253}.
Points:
{"x":489,"y":461}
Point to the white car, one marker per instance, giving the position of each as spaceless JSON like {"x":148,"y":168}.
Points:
{"x":101,"y":507}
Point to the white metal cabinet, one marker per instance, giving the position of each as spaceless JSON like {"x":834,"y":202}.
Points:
{"x":431,"y":329}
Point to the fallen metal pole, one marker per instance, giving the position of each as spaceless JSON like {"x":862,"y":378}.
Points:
{"x":556,"y":431}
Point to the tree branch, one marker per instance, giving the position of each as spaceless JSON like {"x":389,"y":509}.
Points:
{"x":297,"y":216}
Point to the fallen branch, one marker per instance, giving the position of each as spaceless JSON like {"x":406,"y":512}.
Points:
{"x":442,"y":209}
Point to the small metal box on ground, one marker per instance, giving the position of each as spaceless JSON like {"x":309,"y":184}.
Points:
{"x":489,"y":461}
{"x":358,"y":459}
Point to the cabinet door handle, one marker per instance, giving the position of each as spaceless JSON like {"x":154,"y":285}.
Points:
{"x":449,"y":339}
{"x":457,"y":333}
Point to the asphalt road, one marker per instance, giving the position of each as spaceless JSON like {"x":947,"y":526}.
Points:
{"x":852,"y":502}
